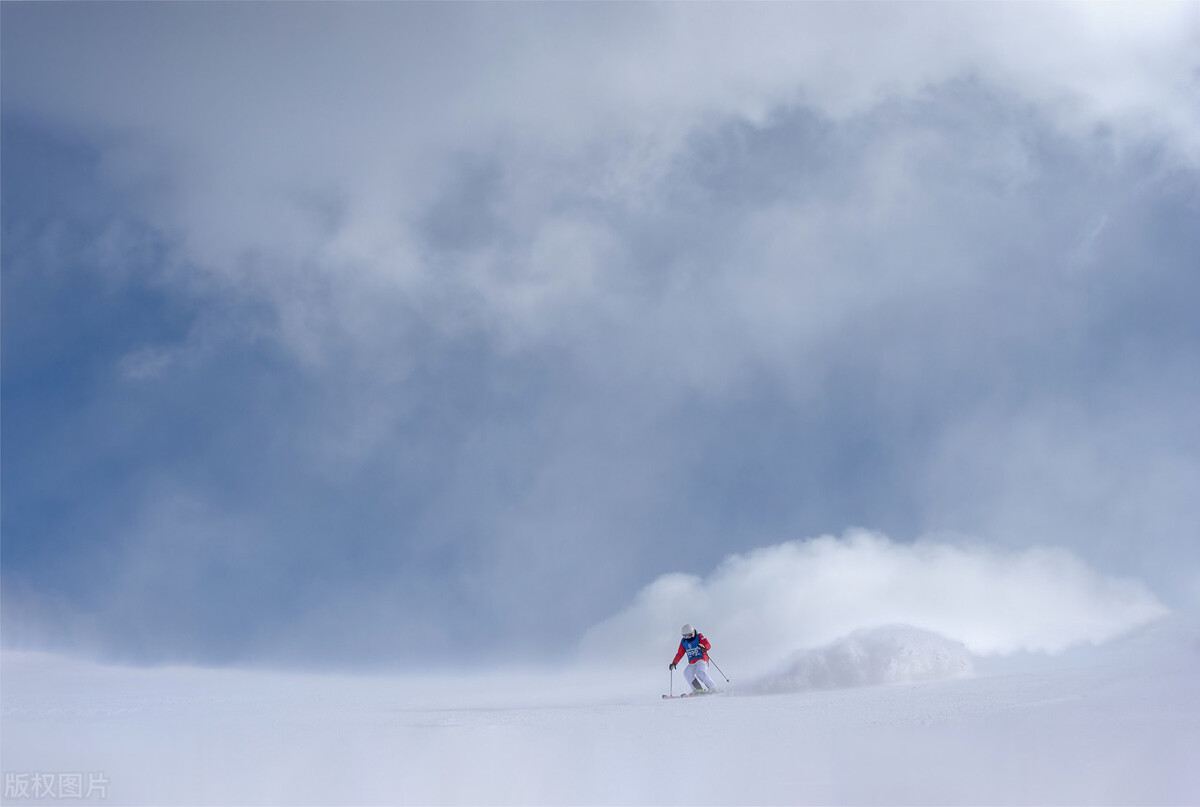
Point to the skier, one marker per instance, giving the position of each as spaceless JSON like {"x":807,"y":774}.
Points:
{"x":696,"y":647}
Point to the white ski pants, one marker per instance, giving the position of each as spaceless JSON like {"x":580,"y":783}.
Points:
{"x":698,"y":670}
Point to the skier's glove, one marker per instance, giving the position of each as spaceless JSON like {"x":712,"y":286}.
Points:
{"x":671,"y":666}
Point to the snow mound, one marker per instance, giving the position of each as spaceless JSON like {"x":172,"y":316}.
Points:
{"x":887,"y":655}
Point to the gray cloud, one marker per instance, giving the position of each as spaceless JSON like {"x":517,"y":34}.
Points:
{"x":478,"y":318}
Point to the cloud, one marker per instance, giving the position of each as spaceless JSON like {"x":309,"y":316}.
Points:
{"x":762,"y":606}
{"x":298,"y":169}
{"x":476,"y":316}
{"x":1116,"y":472}
{"x":297,"y":154}
{"x":146,"y":362}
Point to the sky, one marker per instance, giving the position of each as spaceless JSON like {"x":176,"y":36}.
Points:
{"x":345,"y":335}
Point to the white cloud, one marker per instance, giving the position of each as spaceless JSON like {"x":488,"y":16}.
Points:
{"x":762,"y":606}
{"x":146,"y":363}
{"x":365,"y":105}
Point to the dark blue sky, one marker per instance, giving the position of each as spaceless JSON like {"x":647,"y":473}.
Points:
{"x":333,"y":335}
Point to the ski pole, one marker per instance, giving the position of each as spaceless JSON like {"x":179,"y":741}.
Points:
{"x":723,"y":675}
{"x":672,"y":682}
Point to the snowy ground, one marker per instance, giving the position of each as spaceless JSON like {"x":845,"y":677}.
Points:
{"x":1118,"y":724}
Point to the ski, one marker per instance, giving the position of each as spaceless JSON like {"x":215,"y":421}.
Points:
{"x":687,"y":695}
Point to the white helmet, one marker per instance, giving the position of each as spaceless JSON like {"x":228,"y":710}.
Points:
{"x":688,"y":631}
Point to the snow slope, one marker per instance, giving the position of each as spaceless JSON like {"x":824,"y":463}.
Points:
{"x":1116,"y":724}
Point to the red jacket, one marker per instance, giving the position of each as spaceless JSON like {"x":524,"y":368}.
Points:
{"x":701,"y":643}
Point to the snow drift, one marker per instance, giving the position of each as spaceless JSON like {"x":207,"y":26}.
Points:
{"x":889,"y":655}
{"x":763,"y":606}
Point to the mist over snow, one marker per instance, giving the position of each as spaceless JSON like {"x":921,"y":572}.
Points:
{"x":883,"y":716}
{"x":763,"y":606}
